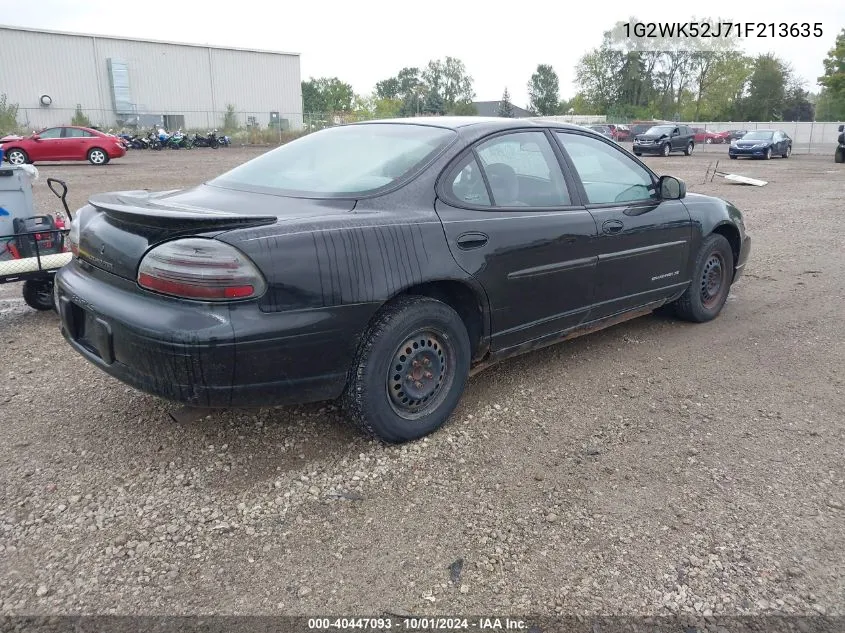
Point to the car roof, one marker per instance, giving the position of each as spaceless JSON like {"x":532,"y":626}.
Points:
{"x":457,"y":122}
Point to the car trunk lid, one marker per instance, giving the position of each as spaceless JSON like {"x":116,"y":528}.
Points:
{"x":117,"y":229}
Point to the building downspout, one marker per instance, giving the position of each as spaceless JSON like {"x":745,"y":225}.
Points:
{"x":211,"y":83}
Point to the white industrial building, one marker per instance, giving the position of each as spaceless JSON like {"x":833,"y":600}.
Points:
{"x":119,"y":82}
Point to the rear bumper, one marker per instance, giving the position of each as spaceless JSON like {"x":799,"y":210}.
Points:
{"x":207,"y":355}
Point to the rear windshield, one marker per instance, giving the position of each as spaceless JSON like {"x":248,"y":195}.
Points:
{"x":344,"y":160}
{"x":758,"y":136}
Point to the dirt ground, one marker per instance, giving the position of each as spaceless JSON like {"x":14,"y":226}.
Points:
{"x":656,"y":467}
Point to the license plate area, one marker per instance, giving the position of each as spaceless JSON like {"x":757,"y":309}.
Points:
{"x":90,"y":332}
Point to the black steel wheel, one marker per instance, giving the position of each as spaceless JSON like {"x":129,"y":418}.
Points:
{"x":410,"y":370}
{"x":420,"y":375}
{"x":712,"y":276}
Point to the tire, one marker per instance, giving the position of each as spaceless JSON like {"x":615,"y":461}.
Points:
{"x":733,"y":157}
{"x":38,"y":294}
{"x":638,"y":153}
{"x":788,"y":152}
{"x":839,"y":156}
{"x":711,"y":281}
{"x":17,"y":157}
{"x":708,"y":141}
{"x":395,"y":406}
{"x":768,"y":155}
{"x":97,"y":156}
{"x":666,"y":149}
{"x":690,"y":147}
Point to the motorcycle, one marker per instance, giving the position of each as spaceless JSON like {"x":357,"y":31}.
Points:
{"x":839,"y":155}
{"x":206,"y":141}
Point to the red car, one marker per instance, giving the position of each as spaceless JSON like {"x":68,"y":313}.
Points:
{"x":619,"y":132}
{"x":703,"y":136}
{"x":64,"y":143}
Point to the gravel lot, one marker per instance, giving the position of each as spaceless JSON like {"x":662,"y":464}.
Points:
{"x":656,"y":467}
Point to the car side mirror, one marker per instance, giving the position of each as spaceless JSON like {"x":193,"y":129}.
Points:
{"x":35,"y":137}
{"x":671,"y":188}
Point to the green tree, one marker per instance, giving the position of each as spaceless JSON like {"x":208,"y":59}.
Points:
{"x":312,"y":98}
{"x":434,"y":103}
{"x":597,"y":75}
{"x":463,"y":108}
{"x":505,"y":106}
{"x":326,"y":94}
{"x":79,"y":117}
{"x":797,"y":105}
{"x":544,"y":91}
{"x":386,"y":108}
{"x":388,"y":88}
{"x":8,"y":116}
{"x":230,"y":119}
{"x":767,"y":89}
{"x":832,"y":99}
{"x":449,"y":78}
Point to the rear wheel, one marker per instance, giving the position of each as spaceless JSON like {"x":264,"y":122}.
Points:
{"x":666,"y":149}
{"x":638,"y":153}
{"x":38,"y":294}
{"x":410,"y":370}
{"x":711,"y":282}
{"x":689,"y":149}
{"x":17,"y":157}
{"x":97,"y":156}
{"x":733,"y":157}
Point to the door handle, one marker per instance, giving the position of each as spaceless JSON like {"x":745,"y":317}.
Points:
{"x":471,"y":240}
{"x":612,"y":226}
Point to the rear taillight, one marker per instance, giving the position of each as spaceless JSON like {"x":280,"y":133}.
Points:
{"x":199,"y":268}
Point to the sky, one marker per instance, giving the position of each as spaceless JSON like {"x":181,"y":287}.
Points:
{"x":364,"y":42}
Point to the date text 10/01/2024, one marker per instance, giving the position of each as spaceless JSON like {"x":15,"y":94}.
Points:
{"x":722,"y":29}
{"x":418,"y":624}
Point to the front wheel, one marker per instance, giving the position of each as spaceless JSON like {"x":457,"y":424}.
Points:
{"x":768,"y":155}
{"x":709,"y":141}
{"x":38,"y":294}
{"x":666,"y":149}
{"x":410,"y":370}
{"x":711,"y":281}
{"x":17,"y":157}
{"x":638,"y":153}
{"x":788,"y":152}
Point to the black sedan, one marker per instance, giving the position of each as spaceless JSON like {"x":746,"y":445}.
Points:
{"x":380,"y":262}
{"x":762,"y":144}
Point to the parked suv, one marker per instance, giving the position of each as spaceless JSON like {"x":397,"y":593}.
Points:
{"x":665,"y":139}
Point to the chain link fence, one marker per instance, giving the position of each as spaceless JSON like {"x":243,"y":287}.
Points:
{"x":250,"y":127}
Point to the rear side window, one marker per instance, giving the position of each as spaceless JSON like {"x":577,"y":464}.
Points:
{"x":466,"y":184}
{"x":523,"y":171}
{"x":72,"y":132}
